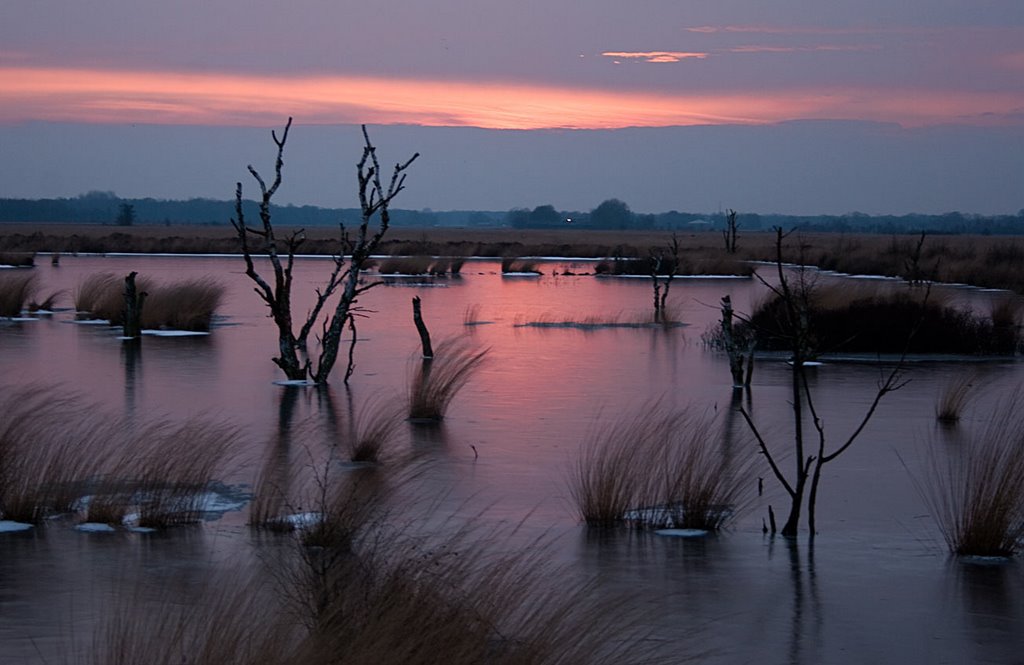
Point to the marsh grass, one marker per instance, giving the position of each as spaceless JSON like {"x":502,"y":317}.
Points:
{"x":101,"y":296}
{"x":43,"y":464}
{"x":16,"y":289}
{"x":954,"y":397}
{"x":403,"y":597}
{"x":46,"y":304}
{"x":601,"y":322}
{"x":435,"y":383}
{"x":976,"y":492}
{"x":188,"y":305}
{"x":513,"y":264}
{"x":659,"y":468}
{"x":160,"y":473}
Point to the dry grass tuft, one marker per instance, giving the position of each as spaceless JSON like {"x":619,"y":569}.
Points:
{"x":436,"y":382}
{"x":373,"y":430}
{"x":512,"y":264}
{"x":188,"y":305}
{"x":977,"y":491}
{"x":954,"y":398}
{"x":658,"y":469}
{"x":16,"y":289}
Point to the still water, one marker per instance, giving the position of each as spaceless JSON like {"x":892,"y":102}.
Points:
{"x":876,"y":586}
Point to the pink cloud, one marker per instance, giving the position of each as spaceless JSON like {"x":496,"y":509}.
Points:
{"x":656,"y":56}
{"x":105,"y":96}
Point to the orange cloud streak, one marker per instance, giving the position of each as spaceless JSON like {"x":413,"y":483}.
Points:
{"x":105,"y":96}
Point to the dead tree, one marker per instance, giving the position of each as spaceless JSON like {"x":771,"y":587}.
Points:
{"x":665,"y":267}
{"x":741,"y":355}
{"x":729,"y":234}
{"x":133,"y":302}
{"x":796,"y":303}
{"x":421,"y":328}
{"x":374,"y":201}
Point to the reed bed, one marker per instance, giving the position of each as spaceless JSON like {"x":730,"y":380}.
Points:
{"x":16,"y":290}
{"x":409,"y":598}
{"x":189,"y":305}
{"x":976,"y":492}
{"x":659,"y":469}
{"x":436,"y":382}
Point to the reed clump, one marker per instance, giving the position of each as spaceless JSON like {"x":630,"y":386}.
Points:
{"x":189,"y":305}
{"x":16,"y":290}
{"x":373,"y":430}
{"x":436,"y":382}
{"x":513,"y":264}
{"x":976,"y":492}
{"x":659,"y":468}
{"x":954,"y":397}
{"x":405,"y":265}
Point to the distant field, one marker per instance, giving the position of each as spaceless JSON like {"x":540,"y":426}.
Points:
{"x":989,"y":261}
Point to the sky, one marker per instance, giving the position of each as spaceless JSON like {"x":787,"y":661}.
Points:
{"x":791,"y":106}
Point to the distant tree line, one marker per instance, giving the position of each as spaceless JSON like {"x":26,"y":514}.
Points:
{"x":107,"y":208}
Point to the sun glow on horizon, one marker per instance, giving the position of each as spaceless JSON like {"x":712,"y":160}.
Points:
{"x":109,"y":96}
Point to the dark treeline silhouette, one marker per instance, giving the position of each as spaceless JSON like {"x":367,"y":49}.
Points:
{"x":107,"y":208}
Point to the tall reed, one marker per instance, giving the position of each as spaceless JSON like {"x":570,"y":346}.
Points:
{"x":436,"y":382}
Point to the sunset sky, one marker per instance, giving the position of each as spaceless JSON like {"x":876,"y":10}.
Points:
{"x":788,"y":106}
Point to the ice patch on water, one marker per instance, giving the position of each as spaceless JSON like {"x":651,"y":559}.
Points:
{"x":294,"y":382}
{"x":94,"y":527}
{"x":7,"y":526}
{"x":175,"y":333}
{"x":682,"y":533}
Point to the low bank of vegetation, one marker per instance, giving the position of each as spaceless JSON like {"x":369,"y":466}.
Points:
{"x":851,"y":319}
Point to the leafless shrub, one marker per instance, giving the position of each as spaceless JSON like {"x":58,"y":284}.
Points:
{"x":16,"y":289}
{"x":436,"y":382}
